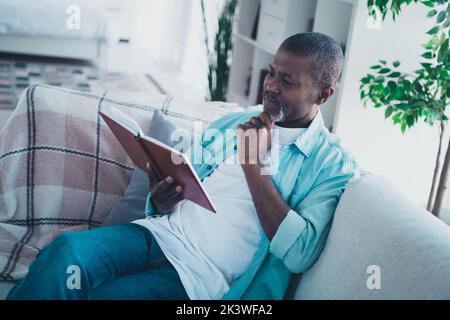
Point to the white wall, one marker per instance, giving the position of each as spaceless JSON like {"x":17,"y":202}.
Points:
{"x":167,"y":41}
{"x":407,"y":160}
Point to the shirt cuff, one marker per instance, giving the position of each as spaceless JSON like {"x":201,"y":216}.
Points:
{"x":288,"y":232}
{"x":149,"y":209}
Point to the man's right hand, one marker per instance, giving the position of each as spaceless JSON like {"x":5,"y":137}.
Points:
{"x":165,"y":194}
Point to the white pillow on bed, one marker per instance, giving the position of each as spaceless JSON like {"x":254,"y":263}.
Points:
{"x":48,"y":18}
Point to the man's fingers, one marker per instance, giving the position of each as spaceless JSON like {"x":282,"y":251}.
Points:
{"x":150,"y":172}
{"x":243,"y":126}
{"x":162,"y":186}
{"x":257,"y":122}
{"x":151,"y":176}
{"x":174,"y":193}
{"x":265,"y":119}
{"x":177,"y":199}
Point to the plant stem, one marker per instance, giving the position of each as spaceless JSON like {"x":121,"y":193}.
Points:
{"x":205,"y":27}
{"x":436,"y":167}
{"x":442,"y":187}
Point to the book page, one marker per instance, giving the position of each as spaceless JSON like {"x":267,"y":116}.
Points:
{"x":126,"y":121}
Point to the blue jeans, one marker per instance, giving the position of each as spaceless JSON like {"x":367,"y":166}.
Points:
{"x":117,"y":262}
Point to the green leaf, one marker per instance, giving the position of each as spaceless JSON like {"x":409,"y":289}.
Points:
{"x":377,"y":105}
{"x":425,"y":112}
{"x":388,"y":112}
{"x":441,"y":17}
{"x":384,"y":70}
{"x":443,"y":51}
{"x":365,"y":80}
{"x":428,"y":45}
{"x":375,"y":67}
{"x":444,"y":117}
{"x":402,"y":106}
{"x":410,"y":120}
{"x":426,"y":65}
{"x":446,"y":24}
{"x":403,"y":127}
{"x":392,"y":85}
{"x":407,"y":85}
{"x":379,"y":79}
{"x":432,"y":13}
{"x":396,"y":63}
{"x":428,"y":55}
{"x":362,"y":94}
{"x":444,"y":75}
{"x":433,"y":30}
{"x":429,"y":3}
{"x":394,"y":75}
{"x":382,"y":61}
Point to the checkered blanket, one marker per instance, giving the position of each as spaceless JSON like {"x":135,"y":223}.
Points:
{"x":61,"y":169}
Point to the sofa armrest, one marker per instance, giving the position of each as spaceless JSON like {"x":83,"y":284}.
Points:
{"x":61,"y":166}
{"x":381,"y":246}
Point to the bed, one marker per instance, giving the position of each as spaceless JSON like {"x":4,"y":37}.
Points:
{"x":51,"y":28}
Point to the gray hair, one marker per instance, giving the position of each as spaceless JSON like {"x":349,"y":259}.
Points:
{"x":328,"y":56}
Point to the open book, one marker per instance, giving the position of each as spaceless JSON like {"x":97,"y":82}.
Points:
{"x":143,"y":149}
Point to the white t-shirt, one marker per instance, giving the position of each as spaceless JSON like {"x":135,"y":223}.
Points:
{"x":209,"y":251}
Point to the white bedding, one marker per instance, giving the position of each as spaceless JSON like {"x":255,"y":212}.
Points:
{"x":48,"y":18}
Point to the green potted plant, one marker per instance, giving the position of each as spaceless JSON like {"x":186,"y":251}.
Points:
{"x":219,"y":59}
{"x":423,"y":94}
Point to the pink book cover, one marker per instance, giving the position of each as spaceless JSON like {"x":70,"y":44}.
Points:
{"x":142,"y":149}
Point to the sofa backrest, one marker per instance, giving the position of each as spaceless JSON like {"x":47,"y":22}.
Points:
{"x":61,"y":168}
{"x":381,"y":246}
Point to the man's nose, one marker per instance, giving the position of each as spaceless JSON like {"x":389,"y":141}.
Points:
{"x":272,"y":85}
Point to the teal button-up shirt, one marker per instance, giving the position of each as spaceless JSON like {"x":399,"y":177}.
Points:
{"x":313,"y":173}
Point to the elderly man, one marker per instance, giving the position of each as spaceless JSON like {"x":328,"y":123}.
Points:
{"x":272,"y":218}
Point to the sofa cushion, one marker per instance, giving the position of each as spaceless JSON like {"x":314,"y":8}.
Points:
{"x":5,"y":287}
{"x":131,"y":206}
{"x":381,"y":246}
{"x":62,"y":169}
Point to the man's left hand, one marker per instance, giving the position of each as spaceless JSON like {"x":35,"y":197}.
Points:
{"x":258,"y":133}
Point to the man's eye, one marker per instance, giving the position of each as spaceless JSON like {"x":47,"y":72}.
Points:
{"x":287,"y":82}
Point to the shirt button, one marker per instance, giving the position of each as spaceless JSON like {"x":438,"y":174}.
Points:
{"x":235,"y":147}
{"x":209,"y":167}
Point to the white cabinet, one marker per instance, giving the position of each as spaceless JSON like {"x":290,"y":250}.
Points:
{"x":262,"y":25}
{"x":280,"y":19}
{"x":270,"y":31}
{"x":276,"y":8}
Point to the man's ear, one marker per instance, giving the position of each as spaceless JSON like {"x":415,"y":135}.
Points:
{"x":324,"y":95}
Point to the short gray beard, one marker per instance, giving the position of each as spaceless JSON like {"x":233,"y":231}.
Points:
{"x":281,"y":114}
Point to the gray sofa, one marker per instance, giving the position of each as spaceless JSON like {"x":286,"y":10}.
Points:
{"x":381,"y":245}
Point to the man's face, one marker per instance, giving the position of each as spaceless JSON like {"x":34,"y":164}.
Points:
{"x":289,"y":91}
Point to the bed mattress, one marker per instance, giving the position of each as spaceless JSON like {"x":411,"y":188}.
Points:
{"x":52,"y":18}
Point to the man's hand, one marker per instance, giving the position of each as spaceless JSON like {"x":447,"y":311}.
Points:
{"x":165,"y":194}
{"x":269,"y":204}
{"x":258,"y":133}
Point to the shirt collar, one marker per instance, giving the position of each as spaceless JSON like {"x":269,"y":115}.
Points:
{"x":306,"y":141}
